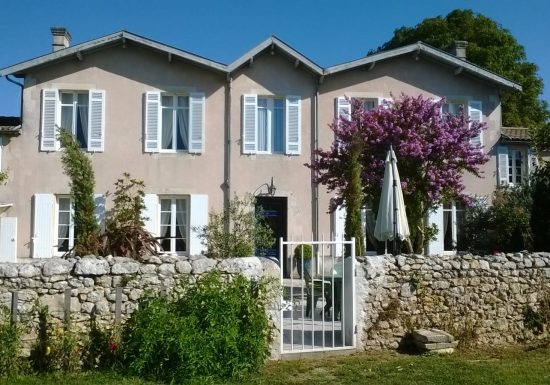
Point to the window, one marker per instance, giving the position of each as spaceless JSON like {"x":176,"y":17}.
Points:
{"x":474,"y":114}
{"x":453,"y":219}
{"x":514,"y":164}
{"x":65,"y":224}
{"x":174,"y":225}
{"x":74,"y":115}
{"x":81,"y":112}
{"x":271,"y":125}
{"x":174,"y":122}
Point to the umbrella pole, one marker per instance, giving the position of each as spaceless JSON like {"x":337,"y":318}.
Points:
{"x":394,"y":205}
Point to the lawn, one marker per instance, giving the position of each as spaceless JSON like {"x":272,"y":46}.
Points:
{"x":505,"y":366}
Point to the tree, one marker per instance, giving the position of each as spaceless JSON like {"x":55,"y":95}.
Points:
{"x":433,"y":150}
{"x":78,"y":168}
{"x":492,"y":47}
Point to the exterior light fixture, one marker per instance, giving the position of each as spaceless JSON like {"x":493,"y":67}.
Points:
{"x":271,"y":189}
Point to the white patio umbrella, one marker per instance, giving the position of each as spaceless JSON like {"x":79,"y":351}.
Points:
{"x":391,"y":221}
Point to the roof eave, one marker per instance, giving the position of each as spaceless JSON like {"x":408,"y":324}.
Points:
{"x":21,"y":68}
{"x":430,"y":51}
{"x":275,"y":42}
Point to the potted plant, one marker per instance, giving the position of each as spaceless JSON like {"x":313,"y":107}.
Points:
{"x":302,"y":258}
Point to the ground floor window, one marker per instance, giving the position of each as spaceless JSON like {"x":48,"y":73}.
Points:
{"x":65,"y":224}
{"x":174,"y":224}
{"x":453,"y":219}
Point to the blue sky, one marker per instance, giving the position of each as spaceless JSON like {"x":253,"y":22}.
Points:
{"x":327,"y":32}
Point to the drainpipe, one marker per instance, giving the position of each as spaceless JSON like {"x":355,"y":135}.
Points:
{"x":227,"y":138}
{"x":315,"y":157}
{"x":21,"y":98}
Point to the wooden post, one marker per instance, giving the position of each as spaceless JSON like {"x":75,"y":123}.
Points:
{"x":67,"y":306}
{"x":118,"y":304}
{"x":14,"y":300}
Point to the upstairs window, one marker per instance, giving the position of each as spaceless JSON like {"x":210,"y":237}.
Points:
{"x":80,"y":112}
{"x":174,"y":122}
{"x":271,"y":125}
{"x":515,"y":163}
{"x":474,"y":111}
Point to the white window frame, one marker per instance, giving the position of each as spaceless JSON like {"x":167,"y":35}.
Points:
{"x":270,"y":109}
{"x":175,"y":109}
{"x":57,"y":250}
{"x":292,"y":124}
{"x":517,"y":154}
{"x":74,"y":105}
{"x":453,"y":210}
{"x":173,"y":213}
{"x":468,"y":106}
{"x":51,"y":118}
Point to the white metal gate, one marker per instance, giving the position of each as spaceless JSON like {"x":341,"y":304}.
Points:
{"x":318,"y":303}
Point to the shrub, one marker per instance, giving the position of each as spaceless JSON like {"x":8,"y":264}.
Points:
{"x":57,"y":348}
{"x":540,"y":216}
{"x":102,"y":350}
{"x":3,"y":177}
{"x":124,"y":233}
{"x":78,"y":168}
{"x":10,"y":345}
{"x":305,"y":251}
{"x":216,"y":328}
{"x":237,"y":231}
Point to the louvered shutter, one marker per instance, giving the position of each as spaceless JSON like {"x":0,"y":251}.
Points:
{"x":502,"y":161}
{"x":8,"y":239}
{"x":343,"y":107}
{"x":250,"y":121}
{"x":151,"y":213}
{"x":152,"y":121}
{"x":437,"y":245}
{"x":99,"y":200}
{"x":199,"y":218}
{"x":96,"y":121}
{"x":48,"y":141}
{"x":196,"y":122}
{"x":475,"y":115}
{"x":293,"y":125}
{"x":532,"y":162}
{"x":43,"y":226}
{"x":338,"y":224}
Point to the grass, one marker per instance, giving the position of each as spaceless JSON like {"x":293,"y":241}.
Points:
{"x":499,"y":367}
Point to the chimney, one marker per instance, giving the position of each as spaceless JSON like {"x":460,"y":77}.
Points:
{"x":460,"y":49}
{"x":61,"y":38}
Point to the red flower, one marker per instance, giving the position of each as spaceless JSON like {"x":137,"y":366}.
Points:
{"x":112,"y":346}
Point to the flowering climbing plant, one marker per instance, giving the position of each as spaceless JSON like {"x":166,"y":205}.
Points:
{"x":433,"y":151}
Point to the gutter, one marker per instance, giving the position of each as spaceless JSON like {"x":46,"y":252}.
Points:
{"x":21,"y":97}
{"x":227,"y":152}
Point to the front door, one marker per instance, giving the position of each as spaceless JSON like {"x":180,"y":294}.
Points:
{"x":275,"y":212}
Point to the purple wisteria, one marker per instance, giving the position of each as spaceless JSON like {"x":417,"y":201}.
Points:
{"x":433,"y":151}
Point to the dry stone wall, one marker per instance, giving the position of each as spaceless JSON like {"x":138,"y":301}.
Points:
{"x":91,"y":284}
{"x":480,"y":300}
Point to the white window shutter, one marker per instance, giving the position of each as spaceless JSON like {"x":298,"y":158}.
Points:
{"x":96,"y":121}
{"x":99,"y":200}
{"x":196,"y":122}
{"x":250,"y":121}
{"x":152,"y":121}
{"x":436,"y":246}
{"x":343,"y":107}
{"x":293,"y":125}
{"x":151,"y":213}
{"x":475,"y":115}
{"x":48,"y":134}
{"x":338,"y":229}
{"x":199,"y":218}
{"x":502,"y":163}
{"x":8,"y":239}
{"x":43,"y":226}
{"x":532,"y":162}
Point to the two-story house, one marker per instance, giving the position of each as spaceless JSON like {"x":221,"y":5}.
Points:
{"x":197,"y":132}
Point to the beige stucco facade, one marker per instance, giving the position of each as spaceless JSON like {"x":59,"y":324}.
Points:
{"x":126,"y":72}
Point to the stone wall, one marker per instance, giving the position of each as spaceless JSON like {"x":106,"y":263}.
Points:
{"x":92,"y":284}
{"x":481,"y":300}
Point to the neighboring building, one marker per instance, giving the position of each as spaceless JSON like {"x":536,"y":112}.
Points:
{"x":197,"y":132}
